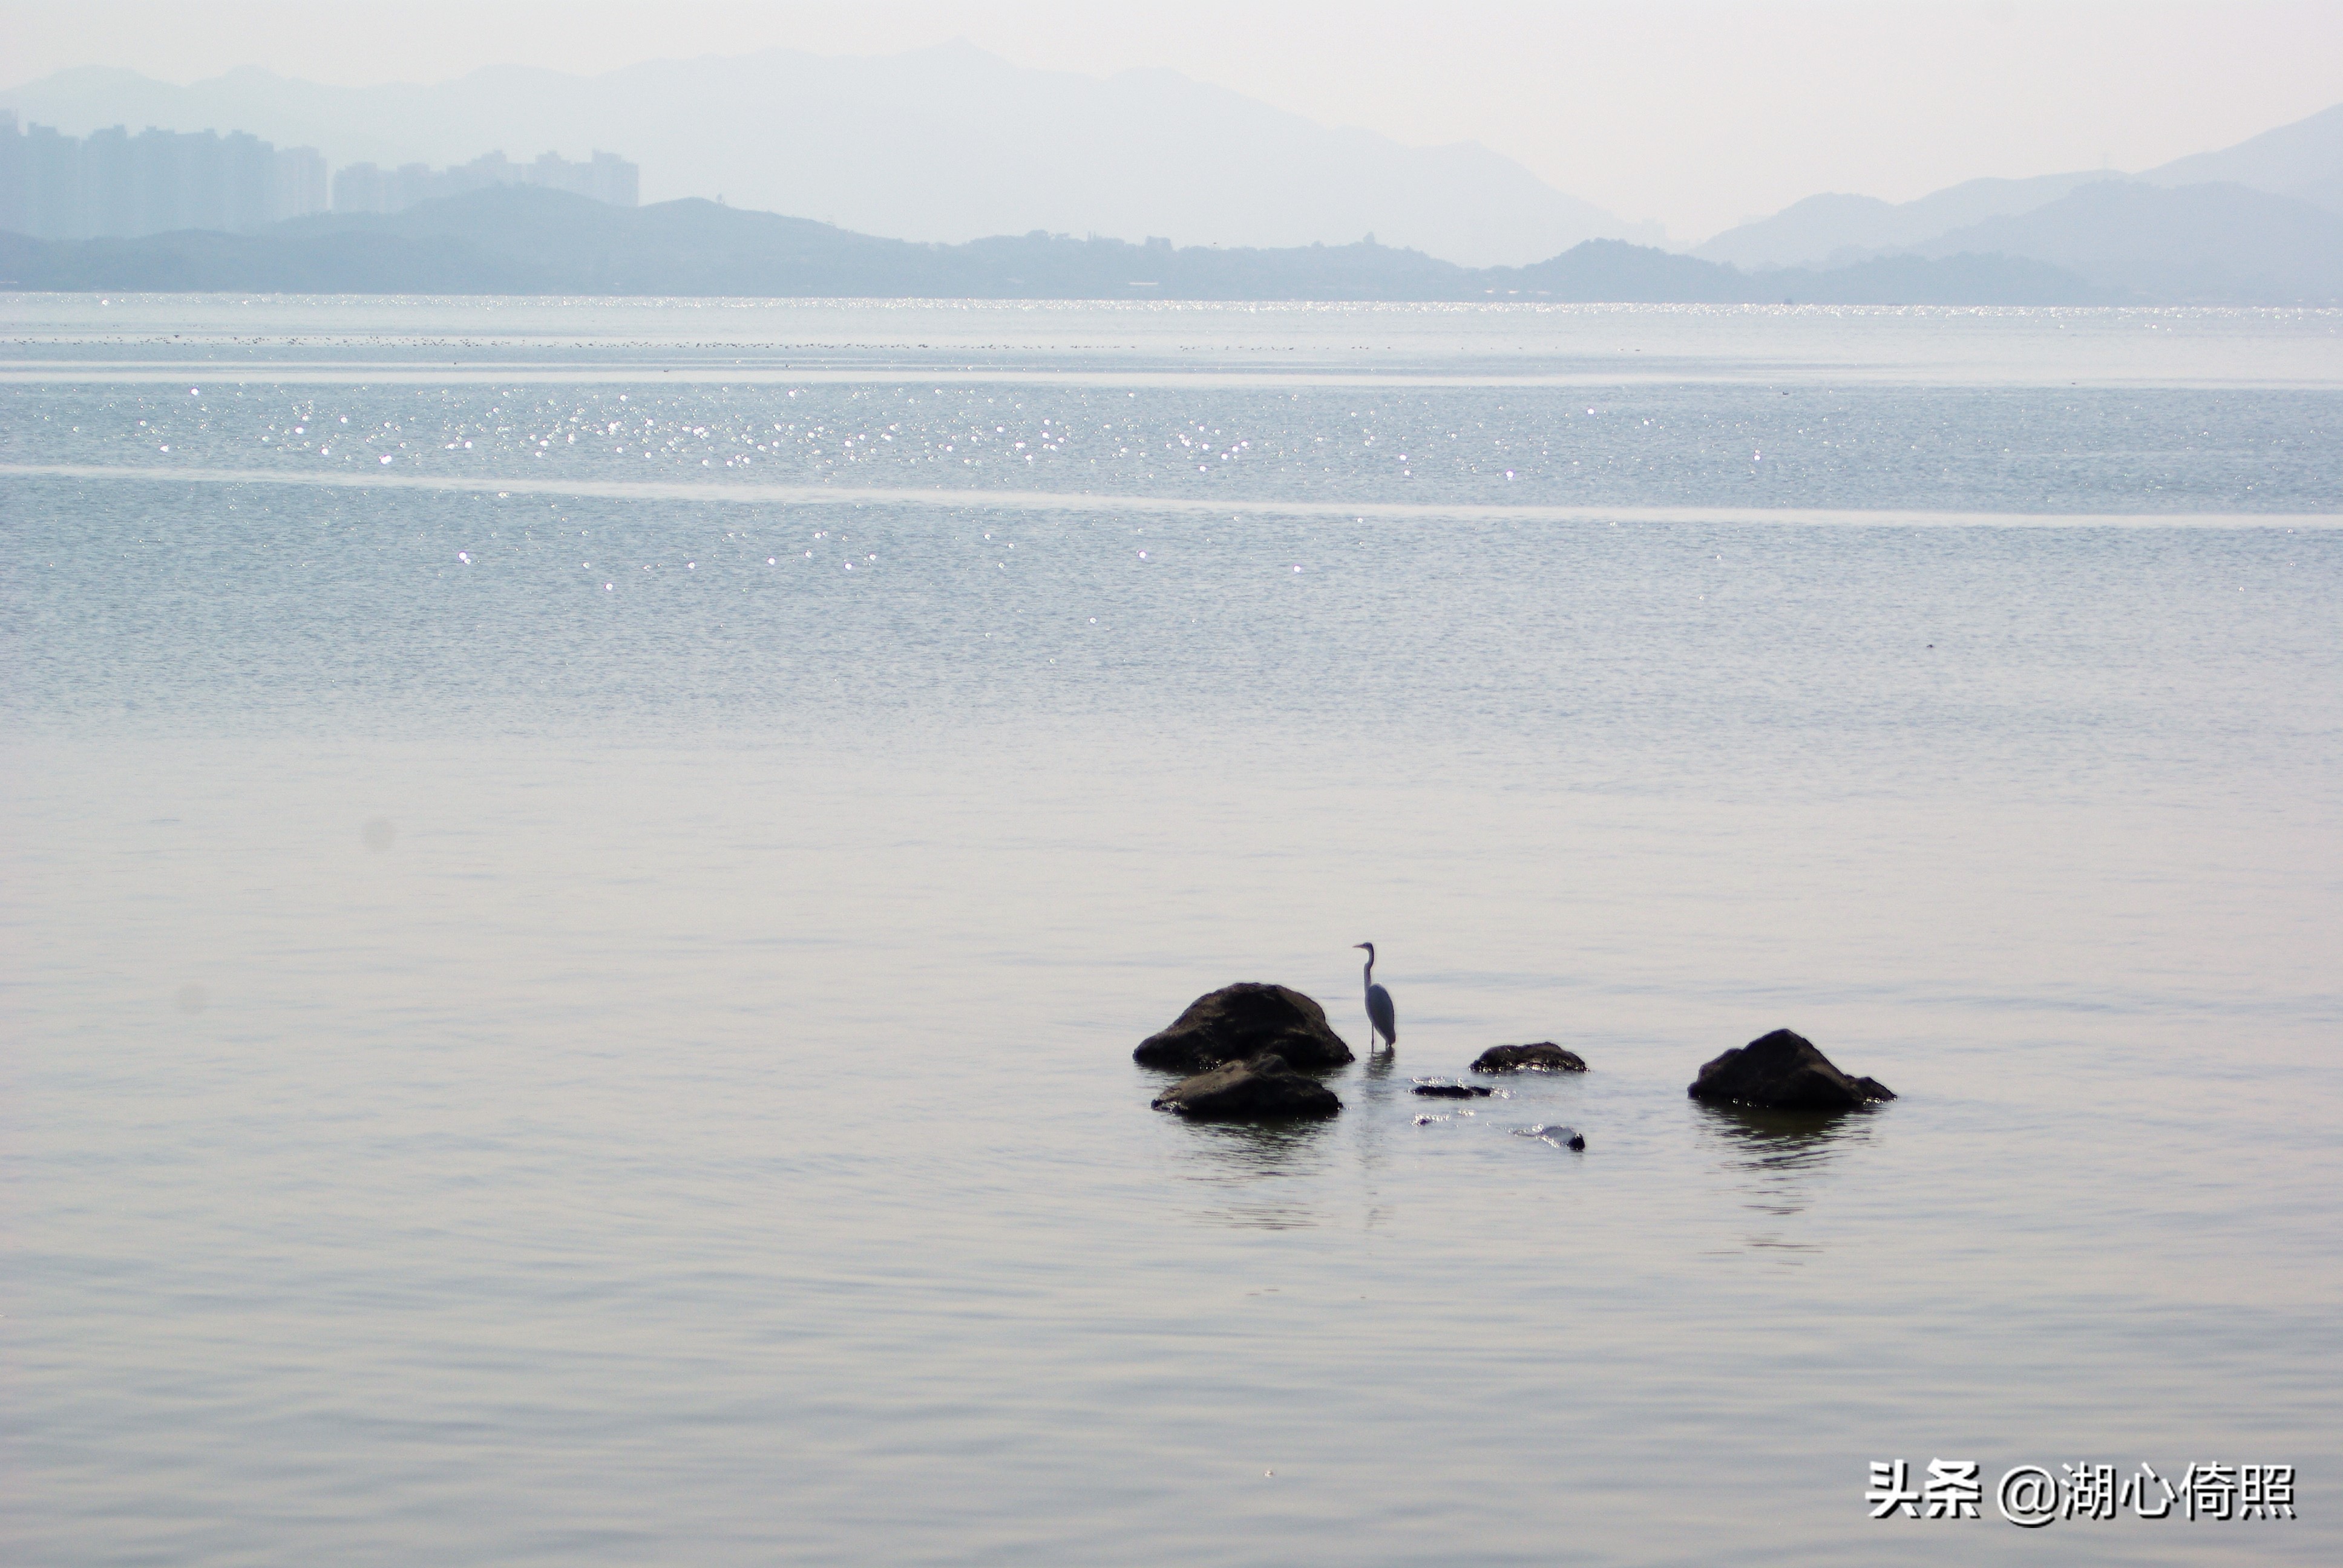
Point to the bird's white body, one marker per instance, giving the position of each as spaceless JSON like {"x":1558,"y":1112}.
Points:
{"x":1383,"y":1018}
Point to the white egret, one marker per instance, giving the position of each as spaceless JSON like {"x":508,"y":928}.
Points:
{"x":1380,"y":1018}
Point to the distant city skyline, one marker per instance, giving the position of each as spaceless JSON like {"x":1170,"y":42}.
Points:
{"x":1694,"y":113}
{"x":369,"y":188}
{"x":113,"y":183}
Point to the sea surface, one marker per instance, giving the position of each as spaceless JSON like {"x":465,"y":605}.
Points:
{"x":581,"y":876}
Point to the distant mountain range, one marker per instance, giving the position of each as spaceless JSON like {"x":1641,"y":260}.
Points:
{"x":2260,"y":222}
{"x":521,"y":240}
{"x":2303,"y":161}
{"x":2212,"y":244}
{"x":1822,"y":229}
{"x":947,"y":143}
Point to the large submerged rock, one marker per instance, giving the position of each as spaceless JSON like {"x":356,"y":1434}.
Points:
{"x":1544,"y":1057}
{"x":1261,"y":1089}
{"x":1783,"y":1071}
{"x":1241,"y":1021}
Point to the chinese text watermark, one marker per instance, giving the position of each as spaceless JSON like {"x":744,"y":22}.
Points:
{"x":2032,"y":1495}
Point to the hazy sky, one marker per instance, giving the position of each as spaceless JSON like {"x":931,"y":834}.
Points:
{"x":1693,"y":111}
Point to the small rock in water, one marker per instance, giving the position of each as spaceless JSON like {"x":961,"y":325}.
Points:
{"x":1453,"y":1091}
{"x":1544,"y":1057}
{"x":1560,"y":1137}
{"x":1261,"y":1090}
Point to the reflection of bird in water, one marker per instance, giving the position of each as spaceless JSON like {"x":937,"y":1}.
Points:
{"x":1380,"y":1018}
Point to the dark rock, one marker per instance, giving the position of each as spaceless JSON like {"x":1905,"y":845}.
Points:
{"x":1783,"y":1071}
{"x":1453,"y":1091}
{"x":1239,"y":1023}
{"x":1544,"y":1057}
{"x":1560,"y":1137}
{"x":1261,"y":1089}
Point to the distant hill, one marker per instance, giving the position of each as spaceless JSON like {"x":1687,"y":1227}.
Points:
{"x":2214,"y":244}
{"x":1613,"y":272}
{"x":1824,"y":228}
{"x":945,"y":143}
{"x":521,"y":239}
{"x":2301,"y":162}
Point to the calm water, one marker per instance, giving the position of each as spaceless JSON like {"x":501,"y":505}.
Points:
{"x":568,"y":993}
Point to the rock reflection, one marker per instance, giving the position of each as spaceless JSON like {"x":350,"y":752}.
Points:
{"x":1775,"y":1159}
{"x":1261,"y":1172}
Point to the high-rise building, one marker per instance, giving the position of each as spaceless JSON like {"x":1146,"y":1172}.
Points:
{"x":301,"y":185}
{"x":56,"y":187}
{"x":110,"y":183}
{"x":615,"y":180}
{"x":360,"y":188}
{"x":12,"y":175}
{"x":365,"y":187}
{"x":53,"y":204}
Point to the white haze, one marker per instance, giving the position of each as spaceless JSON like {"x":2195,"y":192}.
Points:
{"x":1694,"y":114}
{"x":946,"y":144}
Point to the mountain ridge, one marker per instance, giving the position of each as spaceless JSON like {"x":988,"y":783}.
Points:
{"x":2301,"y":161}
{"x":953,"y":145}
{"x":1838,"y":225}
{"x":519,"y":239}
{"x":2188,"y":244}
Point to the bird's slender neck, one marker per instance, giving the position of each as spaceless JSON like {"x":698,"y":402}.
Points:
{"x":1371,"y":966}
